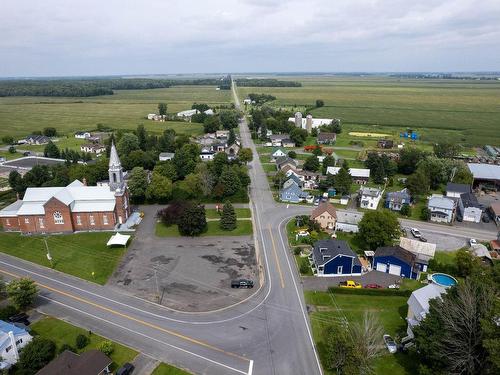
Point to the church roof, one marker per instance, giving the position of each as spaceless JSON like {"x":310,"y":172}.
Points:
{"x":114,"y":160}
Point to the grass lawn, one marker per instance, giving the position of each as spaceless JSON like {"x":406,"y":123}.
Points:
{"x":269,"y":168}
{"x":243,"y":228}
{"x":64,"y":333}
{"x":346,"y":154}
{"x":9,"y":156}
{"x":445,"y":257}
{"x":164,"y":369}
{"x":332,"y":309}
{"x":77,"y":254}
{"x":303,"y":262}
{"x":240,"y":213}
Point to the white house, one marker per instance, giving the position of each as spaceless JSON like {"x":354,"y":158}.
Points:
{"x":209,"y":112}
{"x":347,"y":221}
{"x":442,"y":209}
{"x":12,"y":339}
{"x":187,"y":114}
{"x":93,"y":148}
{"x":207,"y":154}
{"x":418,"y":304}
{"x":277,"y":153}
{"x":369,"y":198}
{"x":469,"y":208}
{"x":164,"y":156}
{"x":82,"y":135}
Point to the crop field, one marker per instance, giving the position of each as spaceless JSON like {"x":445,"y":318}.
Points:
{"x":19,"y":116}
{"x":465,"y":111}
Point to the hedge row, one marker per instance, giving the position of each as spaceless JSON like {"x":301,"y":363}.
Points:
{"x":371,"y":292}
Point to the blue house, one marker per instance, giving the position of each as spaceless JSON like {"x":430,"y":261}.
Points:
{"x":398,"y":261}
{"x":292,"y":179}
{"x":293,"y":194}
{"x":394,"y":200}
{"x":334,"y":258}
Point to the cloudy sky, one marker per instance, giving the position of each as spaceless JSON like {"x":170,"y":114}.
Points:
{"x":101,"y":37}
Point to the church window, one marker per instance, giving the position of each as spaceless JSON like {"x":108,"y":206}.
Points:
{"x":114,"y":177}
{"x":41,"y":222}
{"x":78,"y":220}
{"x":26,"y":220}
{"x":105,"y":219}
{"x":92,"y":221}
{"x":58,"y":218}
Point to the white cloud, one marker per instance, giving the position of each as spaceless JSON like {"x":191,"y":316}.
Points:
{"x":51,"y":36}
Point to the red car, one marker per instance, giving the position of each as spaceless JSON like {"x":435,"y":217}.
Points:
{"x":373,"y":286}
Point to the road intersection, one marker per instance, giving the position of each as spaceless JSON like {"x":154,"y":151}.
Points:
{"x":266,"y":334}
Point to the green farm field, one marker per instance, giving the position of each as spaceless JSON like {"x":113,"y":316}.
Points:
{"x":19,"y":116}
{"x":465,"y":111}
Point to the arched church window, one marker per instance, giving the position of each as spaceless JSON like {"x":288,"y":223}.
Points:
{"x":58,"y":218}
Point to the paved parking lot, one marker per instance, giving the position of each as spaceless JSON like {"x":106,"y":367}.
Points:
{"x":183,"y":273}
{"x":372,"y":277}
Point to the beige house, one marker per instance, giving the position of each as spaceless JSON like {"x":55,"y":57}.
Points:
{"x":325,"y":215}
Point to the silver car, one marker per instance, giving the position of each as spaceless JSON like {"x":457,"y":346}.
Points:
{"x":391,"y":344}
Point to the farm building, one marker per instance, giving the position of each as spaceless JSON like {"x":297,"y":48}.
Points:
{"x":487,"y":175}
{"x":359,"y":175}
{"x":93,"y":148}
{"x":334,"y":258}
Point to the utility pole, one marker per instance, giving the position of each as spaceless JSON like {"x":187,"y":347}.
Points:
{"x":49,"y":257}
{"x":157,"y":288}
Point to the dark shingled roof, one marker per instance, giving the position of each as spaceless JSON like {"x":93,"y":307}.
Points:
{"x":458,"y":188}
{"x":469,"y":200}
{"x":332,"y":248}
{"x":91,"y":362}
{"x":397,"y":252}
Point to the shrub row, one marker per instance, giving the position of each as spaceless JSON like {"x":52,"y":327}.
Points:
{"x":371,"y":292}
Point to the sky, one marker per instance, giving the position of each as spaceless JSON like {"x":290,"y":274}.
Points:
{"x":118,"y":37}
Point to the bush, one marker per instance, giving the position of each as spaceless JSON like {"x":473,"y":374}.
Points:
{"x":296,"y":251}
{"x":106,"y":347}
{"x":304,"y":267}
{"x":292,"y":154}
{"x":425,"y":214}
{"x":170,"y":215}
{"x":36,"y":354}
{"x":66,"y":347}
{"x":371,"y":292}
{"x":82,"y":341}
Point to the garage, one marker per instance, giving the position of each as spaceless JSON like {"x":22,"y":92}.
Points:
{"x":381,"y":267}
{"x":395,"y":270}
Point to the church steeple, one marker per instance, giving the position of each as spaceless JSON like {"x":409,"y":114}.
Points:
{"x":115,"y":170}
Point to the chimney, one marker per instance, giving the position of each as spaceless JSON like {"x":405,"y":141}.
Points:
{"x":14,"y":346}
{"x":84,"y":181}
{"x":309,"y":123}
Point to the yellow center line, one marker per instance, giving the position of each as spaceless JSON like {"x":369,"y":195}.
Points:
{"x":107,"y":309}
{"x":276,"y":257}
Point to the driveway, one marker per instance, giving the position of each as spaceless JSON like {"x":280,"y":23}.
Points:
{"x":372,"y":277}
{"x":184,"y":273}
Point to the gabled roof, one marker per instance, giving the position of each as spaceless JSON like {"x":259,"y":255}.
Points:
{"x":275,"y":149}
{"x":441,"y":202}
{"x":294,"y":178}
{"x":326,"y":250}
{"x":285,"y":160}
{"x":485,"y":171}
{"x":458,"y":188}
{"x":469,"y":200}
{"x":294,"y":189}
{"x":354,"y":172}
{"x":322,"y":208}
{"x":398,"y":195}
{"x":397,"y":252}
{"x":326,"y":136}
{"x":370,"y":192}
{"x":419,"y":299}
{"x":91,"y":362}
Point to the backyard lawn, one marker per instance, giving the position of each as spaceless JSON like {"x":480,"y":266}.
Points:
{"x":244,"y":228}
{"x":64,"y":333}
{"x":164,"y":369}
{"x":340,"y":308}
{"x":79,"y":254}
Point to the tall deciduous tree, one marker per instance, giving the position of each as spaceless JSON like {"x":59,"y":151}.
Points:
{"x":299,"y":136}
{"x":245,"y":155}
{"x":142,"y":137}
{"x":128,"y":143}
{"x":312,"y":164}
{"x":378,"y":228}
{"x":22,"y":292}
{"x":160,"y":189}
{"x":228,"y":220}
{"x":138,"y":183}
{"x":193,"y":221}
{"x":36,"y":354}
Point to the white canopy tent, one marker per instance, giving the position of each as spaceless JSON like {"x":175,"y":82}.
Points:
{"x":118,"y":240}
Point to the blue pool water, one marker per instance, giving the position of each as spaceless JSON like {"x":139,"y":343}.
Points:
{"x":443,"y":279}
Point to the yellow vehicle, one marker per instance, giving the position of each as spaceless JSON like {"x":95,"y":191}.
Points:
{"x":349,"y":284}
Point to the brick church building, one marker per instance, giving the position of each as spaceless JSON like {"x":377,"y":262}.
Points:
{"x":76,"y":207}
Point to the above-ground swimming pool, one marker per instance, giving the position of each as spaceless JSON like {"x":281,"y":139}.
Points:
{"x":443,"y":279}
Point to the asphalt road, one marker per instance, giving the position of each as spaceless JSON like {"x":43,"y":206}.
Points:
{"x":268,"y":334}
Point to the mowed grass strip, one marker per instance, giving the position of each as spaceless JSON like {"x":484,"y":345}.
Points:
{"x":241,"y":213}
{"x":244,"y":228}
{"x":334,"y":308}
{"x":63,"y":333}
{"x":165,"y":369}
{"x":79,"y":254}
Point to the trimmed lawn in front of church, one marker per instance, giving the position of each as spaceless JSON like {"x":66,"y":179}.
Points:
{"x":84,"y":255}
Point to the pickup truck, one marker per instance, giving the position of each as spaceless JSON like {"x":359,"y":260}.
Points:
{"x":349,"y":284}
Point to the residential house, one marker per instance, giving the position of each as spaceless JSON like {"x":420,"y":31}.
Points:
{"x":326,"y":138}
{"x":207,"y":154}
{"x":495,"y":212}
{"x":155,"y":117}
{"x":293,"y":194}
{"x":287,"y":143}
{"x":424,"y":251}
{"x":283,"y":161}
{"x":91,"y":362}
{"x":394,"y":200}
{"x":369,"y":198}
{"x":12,"y":340}
{"x":277,"y":152}
{"x":442,"y":209}
{"x":94,"y":139}
{"x":418,"y":304}
{"x":93,"y":148}
{"x":456,"y":190}
{"x":325,"y":215}
{"x":232,"y":151}
{"x":292,"y":179}
{"x":469,"y":208}
{"x":276,"y":139}
{"x":310,"y":179}
{"x":76,"y":207}
{"x":187,"y":114}
{"x":36,"y":140}
{"x":82,"y":135}
{"x":334,"y":258}
{"x":397,"y":261}
{"x":359,"y":175}
{"x":347,"y":221}
{"x":164,"y":156}
{"x":385,"y":143}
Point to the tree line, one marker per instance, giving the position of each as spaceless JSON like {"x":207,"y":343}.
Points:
{"x":266,"y":82}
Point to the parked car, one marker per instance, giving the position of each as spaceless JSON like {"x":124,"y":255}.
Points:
{"x":242,"y":283}
{"x":416,"y":233}
{"x":310,"y":199}
{"x":423,"y":239}
{"x":126,"y":369}
{"x":472,"y":242}
{"x":349,"y":284}
{"x":390,"y":344}
{"x":20,"y":318}
{"x":373,"y":286}
{"x":393,"y":286}
{"x":316,"y":201}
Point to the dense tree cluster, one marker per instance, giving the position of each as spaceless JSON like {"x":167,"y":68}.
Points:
{"x":380,"y":166}
{"x":260,"y":99}
{"x":267,"y":118}
{"x":378,"y":228}
{"x":266,"y":82}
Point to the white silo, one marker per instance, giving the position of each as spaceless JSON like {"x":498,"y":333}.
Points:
{"x":309,"y":123}
{"x":298,"y":120}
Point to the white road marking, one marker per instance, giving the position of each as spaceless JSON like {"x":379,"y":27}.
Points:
{"x":300,"y":300}
{"x":146,"y":336}
{"x":250,"y":368}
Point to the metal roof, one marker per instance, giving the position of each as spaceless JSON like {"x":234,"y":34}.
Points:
{"x":354,"y":172}
{"x":484,"y":171}
{"x":441,"y":202}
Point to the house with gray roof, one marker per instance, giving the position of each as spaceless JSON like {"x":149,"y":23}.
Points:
{"x":334,"y":258}
{"x":469,"y":208}
{"x":293,"y":194}
{"x":347,"y":221}
{"x":442,"y":209}
{"x":456,"y":190}
{"x":292,"y":179}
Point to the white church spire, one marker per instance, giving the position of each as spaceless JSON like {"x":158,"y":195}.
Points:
{"x":115,"y":170}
